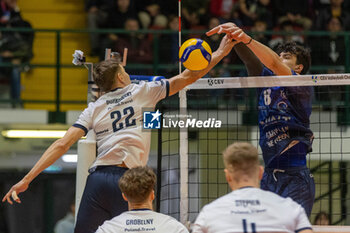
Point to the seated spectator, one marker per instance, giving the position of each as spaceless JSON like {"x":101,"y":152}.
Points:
{"x":169,"y":43}
{"x":66,"y":224}
{"x":322,"y":218}
{"x":258,"y":29}
{"x":194,"y":14}
{"x":151,"y":16}
{"x":334,"y":9}
{"x":15,"y":47}
{"x":329,"y":50}
{"x":256,"y":9}
{"x":97,"y":13}
{"x":295,"y":11}
{"x":226,"y":11}
{"x":139,"y":47}
{"x":117,"y":17}
{"x":214,"y":40}
{"x":137,"y":186}
{"x":248,"y":208}
{"x":289,"y":35}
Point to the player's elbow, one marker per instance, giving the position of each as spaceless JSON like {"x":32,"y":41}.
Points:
{"x":61,"y":145}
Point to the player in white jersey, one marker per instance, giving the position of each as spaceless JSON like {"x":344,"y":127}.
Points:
{"x":137,"y":186}
{"x":248,"y":209}
{"x":116,"y":118}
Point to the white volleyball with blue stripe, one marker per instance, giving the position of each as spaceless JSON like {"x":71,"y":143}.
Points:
{"x":195,"y":54}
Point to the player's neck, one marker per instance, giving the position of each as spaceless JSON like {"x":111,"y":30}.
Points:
{"x":242,"y":184}
{"x":135,"y":206}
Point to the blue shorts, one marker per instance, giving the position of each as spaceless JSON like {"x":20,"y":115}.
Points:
{"x":101,"y":200}
{"x":296,"y":183}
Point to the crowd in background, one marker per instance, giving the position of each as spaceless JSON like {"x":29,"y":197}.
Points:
{"x":256,"y":16}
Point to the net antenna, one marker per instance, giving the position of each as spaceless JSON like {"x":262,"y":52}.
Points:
{"x":87,"y":147}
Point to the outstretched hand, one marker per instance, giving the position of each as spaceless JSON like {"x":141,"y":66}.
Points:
{"x":231,"y":31}
{"x":17,"y":188}
{"x":226,"y":45}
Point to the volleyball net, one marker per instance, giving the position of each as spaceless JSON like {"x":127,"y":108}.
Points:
{"x":194,"y":176}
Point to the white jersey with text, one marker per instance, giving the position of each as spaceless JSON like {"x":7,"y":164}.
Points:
{"x":117,"y":118}
{"x":142,"y":221}
{"x":252,"y":210}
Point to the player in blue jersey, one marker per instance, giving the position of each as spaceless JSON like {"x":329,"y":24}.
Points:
{"x":116,"y":118}
{"x":284,"y":112}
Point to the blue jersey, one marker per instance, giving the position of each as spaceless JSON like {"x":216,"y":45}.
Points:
{"x":284,"y":114}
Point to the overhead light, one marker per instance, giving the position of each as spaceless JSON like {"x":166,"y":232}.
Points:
{"x":70,"y":158}
{"x":33,"y":133}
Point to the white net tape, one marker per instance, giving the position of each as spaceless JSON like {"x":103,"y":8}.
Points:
{"x":272,"y":81}
{"x":331,"y":229}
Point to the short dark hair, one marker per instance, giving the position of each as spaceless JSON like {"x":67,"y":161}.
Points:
{"x":104,"y":74}
{"x":302,"y":54}
{"x":137,"y":183}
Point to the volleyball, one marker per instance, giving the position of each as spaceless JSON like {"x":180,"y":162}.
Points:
{"x":195,"y":54}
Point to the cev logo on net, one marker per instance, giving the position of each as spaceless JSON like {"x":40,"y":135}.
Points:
{"x":152,"y":120}
{"x":314,"y":78}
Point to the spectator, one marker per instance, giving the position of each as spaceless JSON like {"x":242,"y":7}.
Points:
{"x":248,"y":208}
{"x":213,"y":41}
{"x":335,"y":9}
{"x":329,"y":50}
{"x":139,"y":47}
{"x":259,"y":28}
{"x":117,"y":17}
{"x":222,"y":8}
{"x":169,"y":46}
{"x":66,"y":224}
{"x":137,"y":186}
{"x":97,"y":13}
{"x":295,"y":11}
{"x":256,"y":9}
{"x":194,"y":14}
{"x":15,"y":47}
{"x":289,"y":35}
{"x":151,"y":16}
{"x":322,"y":218}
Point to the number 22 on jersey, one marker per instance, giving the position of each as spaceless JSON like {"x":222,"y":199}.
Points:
{"x":117,"y":115}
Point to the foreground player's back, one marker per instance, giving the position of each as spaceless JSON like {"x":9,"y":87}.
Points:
{"x":252,"y":210}
{"x":142,"y":220}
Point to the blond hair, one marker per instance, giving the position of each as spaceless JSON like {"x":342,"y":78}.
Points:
{"x":137,"y":183}
{"x":242,"y":158}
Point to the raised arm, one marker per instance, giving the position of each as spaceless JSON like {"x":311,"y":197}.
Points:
{"x":188,"y":77}
{"x":55,"y":151}
{"x":252,"y":63}
{"x":266,"y":55}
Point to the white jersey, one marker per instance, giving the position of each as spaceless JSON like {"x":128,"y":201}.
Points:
{"x":142,"y":221}
{"x":117,"y":117}
{"x":249,"y":210}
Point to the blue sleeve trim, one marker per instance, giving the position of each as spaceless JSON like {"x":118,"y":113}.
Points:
{"x":293,"y":72}
{"x":267,"y":72}
{"x":304,"y":228}
{"x":81,"y":127}
{"x":167,"y":88}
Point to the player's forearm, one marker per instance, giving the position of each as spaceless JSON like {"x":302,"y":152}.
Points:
{"x":252,"y":63}
{"x":54,"y":152}
{"x":266,"y":55}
